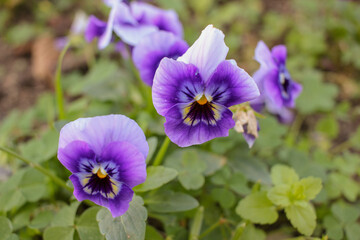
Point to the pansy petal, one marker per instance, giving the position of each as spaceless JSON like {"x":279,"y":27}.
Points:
{"x":272,"y":89}
{"x":133,"y":34}
{"x":208,"y":51}
{"x":175,"y":82}
{"x":154,"y":47}
{"x":249,"y":138}
{"x":95,"y":28}
{"x":105,"y":39}
{"x":230,"y":85}
{"x":117,"y":205}
{"x":131,"y":162}
{"x":263,"y":56}
{"x":120,"y":204}
{"x":166,"y":20}
{"x":71,"y":155}
{"x":99,"y":131}
{"x":185,"y":135}
{"x":279,"y":54}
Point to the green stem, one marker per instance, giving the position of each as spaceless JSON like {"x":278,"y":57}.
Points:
{"x":341,"y":147}
{"x":143,"y":88}
{"x":58,"y":87}
{"x":212,"y":228}
{"x":38,"y":167}
{"x":161,"y":153}
{"x":196,"y":225}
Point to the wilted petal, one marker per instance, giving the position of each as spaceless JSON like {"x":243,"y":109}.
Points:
{"x":208,"y":51}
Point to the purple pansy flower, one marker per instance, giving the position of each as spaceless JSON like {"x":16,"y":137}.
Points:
{"x":152,"y":49}
{"x":278,"y":90}
{"x":106,"y":156}
{"x":195,"y":91}
{"x":132,"y":22}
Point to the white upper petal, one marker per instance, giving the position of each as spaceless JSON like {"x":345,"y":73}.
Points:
{"x":208,"y":51}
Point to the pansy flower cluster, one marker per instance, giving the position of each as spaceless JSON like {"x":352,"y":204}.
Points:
{"x":193,"y":88}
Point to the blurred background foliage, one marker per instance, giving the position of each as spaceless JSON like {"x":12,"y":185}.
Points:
{"x":323,"y":41}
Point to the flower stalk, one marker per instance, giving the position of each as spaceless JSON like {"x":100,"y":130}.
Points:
{"x":161,"y":153}
{"x":38,"y":167}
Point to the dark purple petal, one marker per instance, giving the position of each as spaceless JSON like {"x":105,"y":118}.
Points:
{"x":185,"y":133}
{"x":130,"y":162}
{"x":175,"y":82}
{"x":117,"y":205}
{"x":272,"y":89}
{"x":166,"y":20}
{"x":208,"y":51}
{"x":154,"y":47}
{"x":279,"y":54}
{"x":94,"y":29}
{"x":230,"y":85}
{"x":73,"y":153}
{"x":100,"y":131}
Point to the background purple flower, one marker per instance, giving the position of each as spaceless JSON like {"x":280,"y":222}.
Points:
{"x":132,"y":22}
{"x":152,"y":49}
{"x":106,"y":156}
{"x":278,"y":90}
{"x":195,"y":92}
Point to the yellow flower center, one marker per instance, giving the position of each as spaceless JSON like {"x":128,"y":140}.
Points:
{"x":101,"y":174}
{"x":202,"y":100}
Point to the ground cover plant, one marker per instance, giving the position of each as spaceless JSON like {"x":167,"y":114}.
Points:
{"x":179,"y":119}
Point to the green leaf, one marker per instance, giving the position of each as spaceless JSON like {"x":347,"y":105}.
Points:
{"x":271,"y":134}
{"x":41,"y":149}
{"x":257,"y":208}
{"x":336,"y":185}
{"x":66,"y":216}
{"x":5,"y":227}
{"x":59,"y":233}
{"x":302,"y":217}
{"x":352,"y":231}
{"x":316,"y":95}
{"x":87,"y":226}
{"x":251,"y":233}
{"x":213,"y":162}
{"x":345,"y":212}
{"x":312,"y":187}
{"x":130,"y":226}
{"x":253,"y":169}
{"x":153,"y":142}
{"x":169,"y":201}
{"x":238,"y":183}
{"x":152,"y":234}
{"x":224,"y":196}
{"x":190,"y":168}
{"x":328,"y":126}
{"x":280,"y":195}
{"x":42,"y":219}
{"x":333,"y":228}
{"x":156,"y":177}
{"x":33,"y":185}
{"x":281,"y":174}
